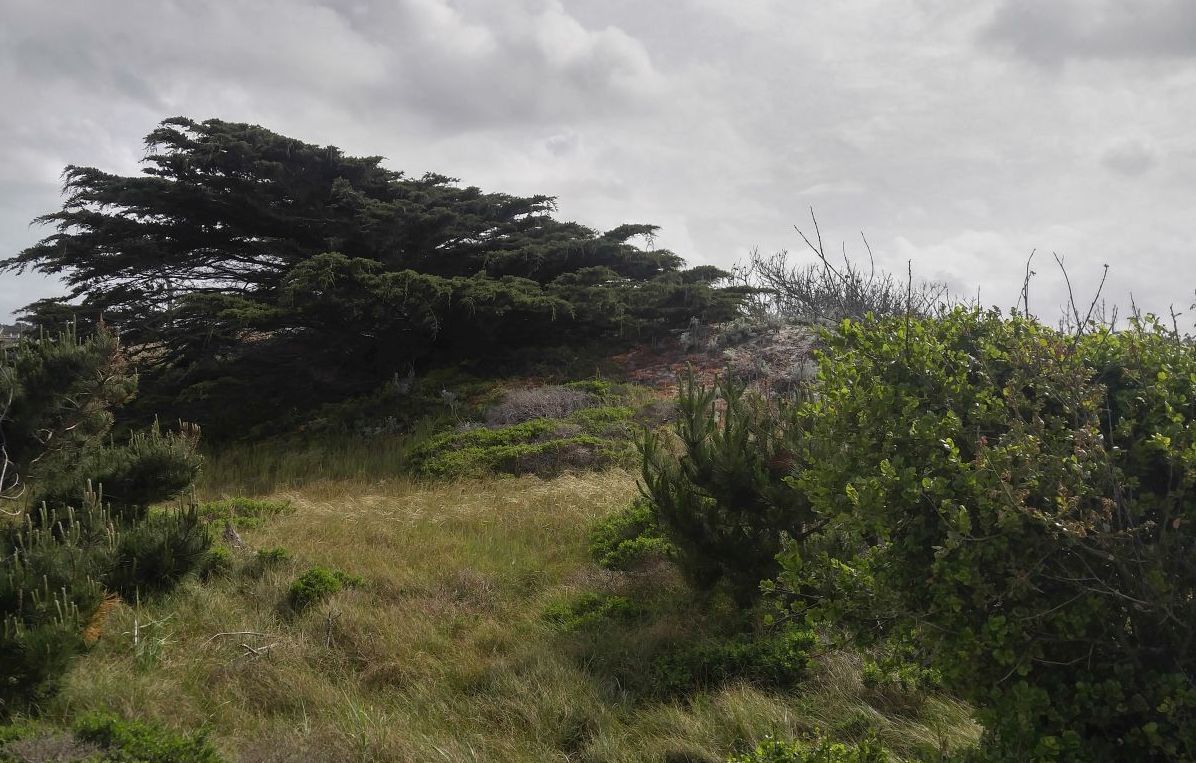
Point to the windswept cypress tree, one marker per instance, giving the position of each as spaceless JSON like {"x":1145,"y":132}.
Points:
{"x":249,"y":269}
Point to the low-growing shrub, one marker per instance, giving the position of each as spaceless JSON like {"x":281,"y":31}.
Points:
{"x":265,"y":559}
{"x":629,"y":539}
{"x":589,"y":439}
{"x":219,"y":561}
{"x":776,"y":659}
{"x":268,"y":557}
{"x":244,"y":512}
{"x":317,"y":584}
{"x":124,"y":741}
{"x":823,"y":751}
{"x":591,"y":608}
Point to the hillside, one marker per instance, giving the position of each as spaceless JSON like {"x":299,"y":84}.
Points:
{"x":444,"y":651}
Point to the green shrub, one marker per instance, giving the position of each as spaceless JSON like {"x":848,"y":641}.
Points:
{"x":156,"y":554}
{"x":902,"y":676}
{"x":317,"y":584}
{"x":599,"y":388}
{"x":244,"y":512}
{"x":219,"y":561}
{"x":590,"y":608}
{"x":267,"y":558}
{"x":1021,"y":507}
{"x":726,"y":499}
{"x":91,"y":529}
{"x":135,"y":742}
{"x":776,"y":659}
{"x":11,"y":732}
{"x":272,"y":556}
{"x":824,"y":751}
{"x":48,"y":590}
{"x":629,"y":538}
{"x":589,"y":438}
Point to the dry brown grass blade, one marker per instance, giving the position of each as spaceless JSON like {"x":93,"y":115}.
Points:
{"x":95,"y":624}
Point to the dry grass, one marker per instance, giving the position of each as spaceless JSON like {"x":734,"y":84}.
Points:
{"x":442,"y":654}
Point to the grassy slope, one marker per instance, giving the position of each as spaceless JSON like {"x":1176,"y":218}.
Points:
{"x":443,"y":654}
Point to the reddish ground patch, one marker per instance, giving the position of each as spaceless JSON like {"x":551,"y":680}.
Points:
{"x":661,"y":367}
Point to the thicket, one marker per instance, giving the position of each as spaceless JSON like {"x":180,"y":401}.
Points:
{"x":78,"y":528}
{"x":257,"y":276}
{"x":1008,"y":505}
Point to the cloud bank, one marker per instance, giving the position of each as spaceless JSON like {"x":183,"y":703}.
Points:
{"x":958,"y":136}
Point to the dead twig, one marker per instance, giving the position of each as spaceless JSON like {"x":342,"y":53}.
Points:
{"x":257,"y":651}
{"x":215,"y":636}
{"x":329,"y":619}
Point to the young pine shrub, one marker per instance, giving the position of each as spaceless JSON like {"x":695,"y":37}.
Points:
{"x":720,"y":484}
{"x":48,"y":592}
{"x":316,"y":585}
{"x":72,"y":543}
{"x":154,"y":555}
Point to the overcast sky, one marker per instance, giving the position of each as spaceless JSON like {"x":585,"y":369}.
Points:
{"x":960,"y":135}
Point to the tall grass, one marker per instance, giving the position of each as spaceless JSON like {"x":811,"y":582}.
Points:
{"x":343,"y":462}
{"x":443,"y":653}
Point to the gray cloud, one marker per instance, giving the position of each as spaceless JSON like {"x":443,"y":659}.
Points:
{"x":1052,"y":32}
{"x":721,"y":122}
{"x":1129,"y":157}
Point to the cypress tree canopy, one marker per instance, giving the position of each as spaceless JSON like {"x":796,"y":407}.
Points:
{"x":241,"y":257}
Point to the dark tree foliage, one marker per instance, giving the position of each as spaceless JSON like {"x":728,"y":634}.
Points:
{"x":252,"y":270}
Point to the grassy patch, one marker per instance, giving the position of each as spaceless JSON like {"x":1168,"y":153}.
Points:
{"x":243,"y":512}
{"x":447,"y":653}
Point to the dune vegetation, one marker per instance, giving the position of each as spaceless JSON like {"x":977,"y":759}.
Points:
{"x":449,"y":479}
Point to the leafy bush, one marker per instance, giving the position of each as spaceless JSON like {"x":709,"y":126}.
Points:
{"x":824,"y":751}
{"x":317,"y":584}
{"x":1020,"y":503}
{"x":778,"y":658}
{"x":135,"y":742}
{"x":590,"y":608}
{"x":630,"y":538}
